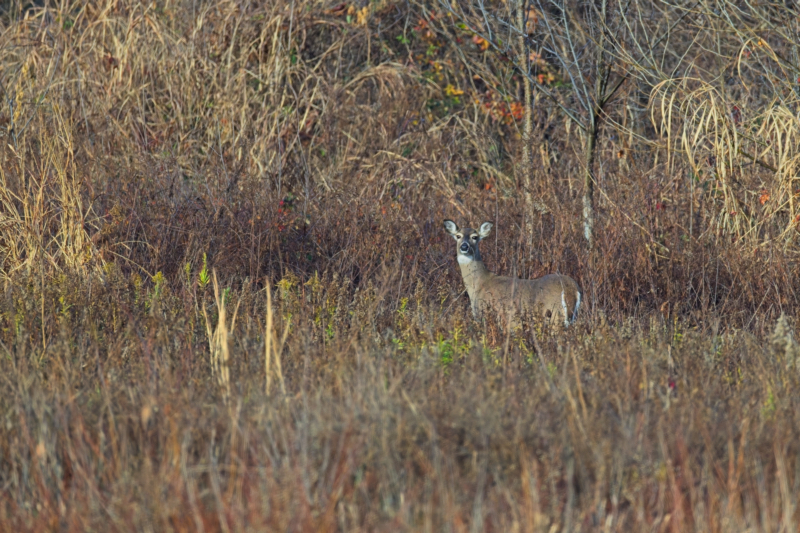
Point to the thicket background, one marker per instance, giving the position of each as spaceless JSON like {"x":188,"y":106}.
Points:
{"x":229,"y":304}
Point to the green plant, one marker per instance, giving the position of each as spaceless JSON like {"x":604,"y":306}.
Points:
{"x":445,"y":351}
{"x":187,"y":273}
{"x":203,"y":279}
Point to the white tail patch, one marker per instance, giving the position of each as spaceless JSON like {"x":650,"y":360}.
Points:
{"x":577,"y":306}
{"x":566,"y":313}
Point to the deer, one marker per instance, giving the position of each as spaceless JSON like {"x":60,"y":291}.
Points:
{"x":551,"y":296}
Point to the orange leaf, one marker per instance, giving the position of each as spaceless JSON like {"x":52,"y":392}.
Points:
{"x":482,"y":43}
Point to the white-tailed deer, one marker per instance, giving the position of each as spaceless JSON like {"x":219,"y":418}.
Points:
{"x":552,"y":295}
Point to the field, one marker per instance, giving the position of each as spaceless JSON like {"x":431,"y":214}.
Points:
{"x":229,"y":304}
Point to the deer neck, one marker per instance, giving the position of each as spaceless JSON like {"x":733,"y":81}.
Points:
{"x":474,"y":274}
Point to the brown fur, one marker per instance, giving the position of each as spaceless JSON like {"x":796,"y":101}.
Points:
{"x":548,"y":295}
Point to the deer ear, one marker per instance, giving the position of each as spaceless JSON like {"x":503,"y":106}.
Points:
{"x":451,"y":228}
{"x":486,"y":227}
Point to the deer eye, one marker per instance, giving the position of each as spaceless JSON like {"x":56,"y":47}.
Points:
{"x":474,"y":237}
{"x":459,"y":236}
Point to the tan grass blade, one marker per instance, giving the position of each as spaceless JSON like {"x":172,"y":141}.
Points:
{"x":271,"y":347}
{"x":219,"y":339}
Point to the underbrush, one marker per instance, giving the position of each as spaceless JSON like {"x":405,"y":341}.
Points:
{"x":385,"y":416}
{"x":228,"y":302}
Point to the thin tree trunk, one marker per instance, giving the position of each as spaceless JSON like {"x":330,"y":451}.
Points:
{"x":588,"y":183}
{"x":526,"y":165}
{"x":602,"y":73}
{"x":527,"y":135}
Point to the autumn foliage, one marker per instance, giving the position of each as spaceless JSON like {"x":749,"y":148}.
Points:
{"x":228,"y":302}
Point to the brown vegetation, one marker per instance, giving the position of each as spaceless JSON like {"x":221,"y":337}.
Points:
{"x":229,"y":304}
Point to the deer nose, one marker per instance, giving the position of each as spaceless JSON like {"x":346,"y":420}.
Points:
{"x":464,"y":247}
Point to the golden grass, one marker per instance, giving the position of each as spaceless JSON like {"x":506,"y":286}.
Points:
{"x":299,"y":157}
{"x":272,"y":348}
{"x":218,"y":338}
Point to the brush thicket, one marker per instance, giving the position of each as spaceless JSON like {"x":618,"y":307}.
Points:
{"x":163,"y":164}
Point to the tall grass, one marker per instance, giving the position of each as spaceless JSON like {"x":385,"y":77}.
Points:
{"x":163,"y":163}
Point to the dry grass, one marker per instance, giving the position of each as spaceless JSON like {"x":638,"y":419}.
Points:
{"x":306,"y":153}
